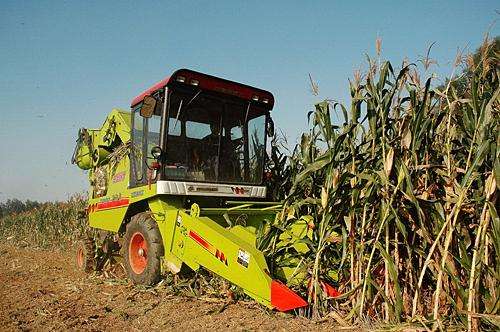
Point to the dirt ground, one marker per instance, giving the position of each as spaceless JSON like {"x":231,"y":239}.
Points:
{"x":41,"y":290}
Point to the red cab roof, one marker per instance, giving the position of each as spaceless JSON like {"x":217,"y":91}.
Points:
{"x":211,"y":83}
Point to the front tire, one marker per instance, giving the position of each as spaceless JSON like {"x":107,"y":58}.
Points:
{"x":143,"y":249}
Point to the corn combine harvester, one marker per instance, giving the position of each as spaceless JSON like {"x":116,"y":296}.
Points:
{"x":179,"y":181}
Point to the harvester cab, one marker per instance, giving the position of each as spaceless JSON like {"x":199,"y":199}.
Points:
{"x":180,"y":179}
{"x":207,"y":139}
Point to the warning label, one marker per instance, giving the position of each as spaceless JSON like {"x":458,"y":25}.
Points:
{"x":243,"y":257}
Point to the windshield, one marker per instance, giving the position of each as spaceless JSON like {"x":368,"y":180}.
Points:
{"x":214,"y":140}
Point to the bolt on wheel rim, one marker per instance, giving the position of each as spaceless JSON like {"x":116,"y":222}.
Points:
{"x":137,"y":253}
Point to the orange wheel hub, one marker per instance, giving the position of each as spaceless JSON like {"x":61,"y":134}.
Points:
{"x":138,"y":253}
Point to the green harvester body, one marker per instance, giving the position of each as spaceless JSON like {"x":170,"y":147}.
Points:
{"x":205,"y":224}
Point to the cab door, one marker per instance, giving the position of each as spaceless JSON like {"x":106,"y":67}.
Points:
{"x":145,"y":135}
{"x":137,"y":160}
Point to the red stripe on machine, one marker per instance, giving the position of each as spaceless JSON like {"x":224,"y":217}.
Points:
{"x":200,"y":240}
{"x":112,"y":204}
{"x":210,"y":248}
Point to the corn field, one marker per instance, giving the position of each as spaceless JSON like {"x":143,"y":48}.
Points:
{"x":400,"y":198}
{"x":54,"y":224}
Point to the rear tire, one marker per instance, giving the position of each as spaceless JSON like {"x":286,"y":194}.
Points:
{"x":142,"y":250}
{"x":85,"y":255}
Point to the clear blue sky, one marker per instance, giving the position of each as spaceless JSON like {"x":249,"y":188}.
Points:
{"x":66,"y":64}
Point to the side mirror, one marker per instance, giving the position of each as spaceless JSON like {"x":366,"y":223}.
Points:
{"x":148,"y":107}
{"x":156,"y":152}
{"x":270,"y":127}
